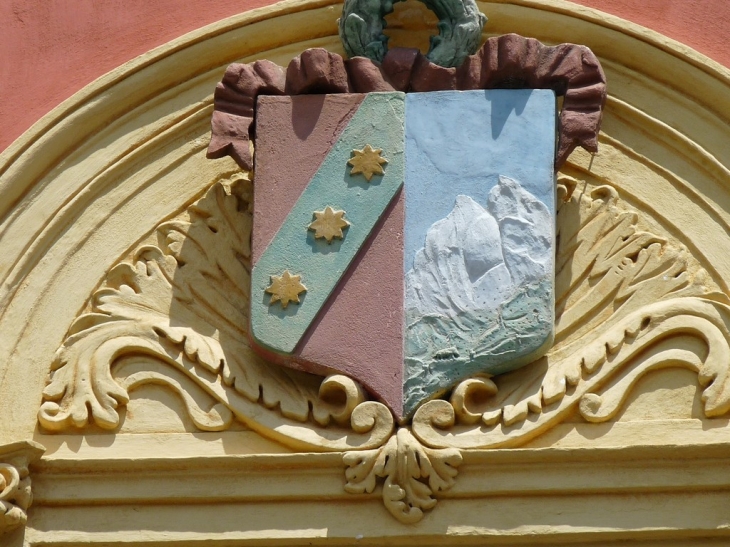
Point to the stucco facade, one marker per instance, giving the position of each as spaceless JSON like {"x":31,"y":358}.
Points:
{"x":133,"y":421}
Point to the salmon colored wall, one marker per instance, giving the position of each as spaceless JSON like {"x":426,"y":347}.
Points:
{"x":50,"y":49}
{"x":703,"y":25}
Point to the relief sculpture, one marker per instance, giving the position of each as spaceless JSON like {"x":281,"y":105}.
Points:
{"x":406,"y":276}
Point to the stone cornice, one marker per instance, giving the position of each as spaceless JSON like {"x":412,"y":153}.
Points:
{"x":552,"y":496}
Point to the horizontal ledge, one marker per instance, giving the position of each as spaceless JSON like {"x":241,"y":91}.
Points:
{"x":105,"y":458}
{"x":579,"y":520}
{"x":297,"y":477}
{"x":22,"y":451}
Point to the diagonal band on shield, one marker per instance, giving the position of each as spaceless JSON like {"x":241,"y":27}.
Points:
{"x":404,"y":240}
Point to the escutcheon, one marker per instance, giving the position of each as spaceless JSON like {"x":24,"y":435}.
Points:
{"x":405,"y":240}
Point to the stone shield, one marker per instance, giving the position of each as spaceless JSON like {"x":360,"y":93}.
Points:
{"x":406,"y":240}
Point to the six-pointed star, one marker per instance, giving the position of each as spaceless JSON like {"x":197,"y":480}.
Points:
{"x":328,"y":224}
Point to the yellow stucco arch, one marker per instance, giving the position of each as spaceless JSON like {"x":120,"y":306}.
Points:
{"x":88,"y":185}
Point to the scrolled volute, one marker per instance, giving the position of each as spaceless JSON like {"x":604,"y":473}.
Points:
{"x":176,"y":316}
{"x":628,"y":302}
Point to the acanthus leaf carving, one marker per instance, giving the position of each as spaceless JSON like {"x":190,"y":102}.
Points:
{"x":15,"y":495}
{"x":627,"y":302}
{"x":177,"y":311}
{"x":412,"y":474}
{"x":183,"y":304}
{"x":15,"y":484}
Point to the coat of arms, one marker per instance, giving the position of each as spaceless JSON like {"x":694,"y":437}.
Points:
{"x":404,"y":240}
{"x":404,"y":212}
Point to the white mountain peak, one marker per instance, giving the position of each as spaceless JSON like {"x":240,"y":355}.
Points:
{"x":475,"y":258}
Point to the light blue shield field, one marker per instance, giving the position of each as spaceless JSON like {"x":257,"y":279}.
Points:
{"x":479,"y":235}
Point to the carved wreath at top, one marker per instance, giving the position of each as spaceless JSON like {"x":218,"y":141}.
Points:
{"x":460,"y":29}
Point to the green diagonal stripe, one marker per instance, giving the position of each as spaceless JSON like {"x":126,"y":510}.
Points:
{"x":379,"y":122}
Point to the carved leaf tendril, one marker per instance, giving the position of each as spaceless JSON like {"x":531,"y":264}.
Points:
{"x":412,"y":473}
{"x":624,"y":299}
{"x":184,"y":304}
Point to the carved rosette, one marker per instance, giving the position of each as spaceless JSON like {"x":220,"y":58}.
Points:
{"x":174,"y":315}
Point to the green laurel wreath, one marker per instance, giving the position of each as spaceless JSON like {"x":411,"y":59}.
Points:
{"x":460,"y":29}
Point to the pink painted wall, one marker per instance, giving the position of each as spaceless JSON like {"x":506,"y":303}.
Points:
{"x":49,"y":49}
{"x":703,"y":25}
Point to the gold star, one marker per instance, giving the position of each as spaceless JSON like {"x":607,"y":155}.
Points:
{"x":328,"y":224}
{"x":367,"y":161}
{"x":285,"y":288}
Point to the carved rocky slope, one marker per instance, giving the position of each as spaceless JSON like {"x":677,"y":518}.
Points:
{"x":479,"y":297}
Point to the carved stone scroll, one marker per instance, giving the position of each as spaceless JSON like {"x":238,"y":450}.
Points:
{"x":508,"y":61}
{"x":15,"y":486}
{"x":182,"y":307}
{"x":627,"y":302}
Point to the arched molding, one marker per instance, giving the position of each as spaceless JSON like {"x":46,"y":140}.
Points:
{"x":89,"y":184}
